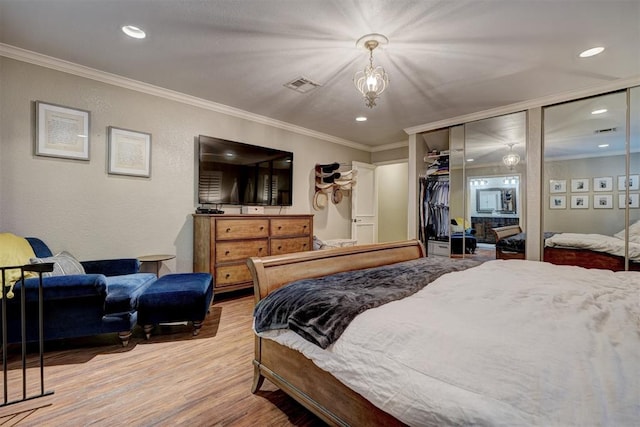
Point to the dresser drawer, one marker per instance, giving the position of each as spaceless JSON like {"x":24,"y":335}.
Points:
{"x":229,"y":229}
{"x":232,"y":274}
{"x":290,"y":227}
{"x":285,"y":246}
{"x":236,"y":251}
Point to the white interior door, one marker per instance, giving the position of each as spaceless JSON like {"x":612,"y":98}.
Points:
{"x":364,"y":205}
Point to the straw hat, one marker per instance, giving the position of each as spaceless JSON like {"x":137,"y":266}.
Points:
{"x":336,"y":196}
{"x":320,"y":200}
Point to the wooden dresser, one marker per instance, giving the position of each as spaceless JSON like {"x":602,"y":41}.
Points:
{"x":222,"y":244}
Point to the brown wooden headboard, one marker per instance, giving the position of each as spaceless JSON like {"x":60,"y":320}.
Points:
{"x":509,"y":230}
{"x":272,"y":272}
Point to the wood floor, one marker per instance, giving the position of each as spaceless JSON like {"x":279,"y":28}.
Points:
{"x":173,"y":379}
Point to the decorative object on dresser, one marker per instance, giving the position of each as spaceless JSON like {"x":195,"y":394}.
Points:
{"x":222,"y":244}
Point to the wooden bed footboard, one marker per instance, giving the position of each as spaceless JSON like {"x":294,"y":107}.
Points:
{"x":587,"y":259}
{"x":292,"y":372}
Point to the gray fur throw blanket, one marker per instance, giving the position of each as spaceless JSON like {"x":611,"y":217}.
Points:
{"x":320,"y":309}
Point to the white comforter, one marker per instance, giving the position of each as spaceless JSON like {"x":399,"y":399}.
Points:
{"x":594,"y":242}
{"x":513,"y":343}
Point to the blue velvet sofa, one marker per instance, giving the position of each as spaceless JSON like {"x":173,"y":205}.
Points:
{"x":104,"y":300}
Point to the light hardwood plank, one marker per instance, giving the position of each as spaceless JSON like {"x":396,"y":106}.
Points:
{"x":173,"y":379}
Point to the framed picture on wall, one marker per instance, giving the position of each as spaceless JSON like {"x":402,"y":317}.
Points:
{"x":580,"y":202}
{"x":602,"y":201}
{"x":61,"y":131}
{"x":633,"y":202}
{"x":579,"y":185}
{"x":129,"y":152}
{"x":603,"y":183}
{"x":633,"y":184}
{"x":558,"y":202}
{"x":557,"y":186}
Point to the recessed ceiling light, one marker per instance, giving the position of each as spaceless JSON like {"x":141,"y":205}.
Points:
{"x":591,"y":52}
{"x":603,"y":145}
{"x":470,"y":160}
{"x":600,"y":111}
{"x":133,"y":31}
{"x":361,"y":119}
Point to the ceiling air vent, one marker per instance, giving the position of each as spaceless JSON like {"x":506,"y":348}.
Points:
{"x":302,"y":85}
{"x":607,"y":130}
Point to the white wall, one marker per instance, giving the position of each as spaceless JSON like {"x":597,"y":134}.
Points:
{"x":393,"y":192}
{"x":76,"y":206}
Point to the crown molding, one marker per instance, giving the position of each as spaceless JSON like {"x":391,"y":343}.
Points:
{"x":392,"y":146}
{"x":116,"y":80}
{"x":612,"y":86}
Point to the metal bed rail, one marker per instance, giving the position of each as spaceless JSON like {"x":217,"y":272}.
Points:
{"x":7,"y":293}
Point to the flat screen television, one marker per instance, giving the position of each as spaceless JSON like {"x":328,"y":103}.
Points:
{"x":235,"y":173}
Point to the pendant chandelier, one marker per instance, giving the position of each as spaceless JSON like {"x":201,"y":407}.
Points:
{"x":512,"y":159}
{"x":372,"y":81}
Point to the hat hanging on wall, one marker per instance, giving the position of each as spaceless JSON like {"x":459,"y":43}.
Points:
{"x":329,"y":179}
{"x":330,"y":168}
{"x":320,"y":200}
{"x":336,"y":196}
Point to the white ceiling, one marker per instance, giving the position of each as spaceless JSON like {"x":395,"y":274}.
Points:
{"x":445,"y":58}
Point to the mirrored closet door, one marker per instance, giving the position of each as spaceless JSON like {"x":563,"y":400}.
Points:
{"x":473,"y":184}
{"x":591,"y":181}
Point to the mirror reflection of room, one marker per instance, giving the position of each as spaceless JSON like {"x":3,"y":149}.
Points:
{"x":495,"y":162}
{"x":484,"y":181}
{"x":588,"y":191}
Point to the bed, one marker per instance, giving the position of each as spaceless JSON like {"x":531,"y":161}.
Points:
{"x":518,"y":343}
{"x":510,"y":242}
{"x":583,"y":250}
{"x":591,"y":251}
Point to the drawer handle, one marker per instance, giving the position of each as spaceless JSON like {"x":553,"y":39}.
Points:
{"x":279,"y":227}
{"x":228,"y":230}
{"x":259,"y":249}
{"x":304,"y":245}
{"x":226,"y":253}
{"x":279,"y":247}
{"x":227,"y":276}
{"x":304,"y":226}
{"x":261,"y":227}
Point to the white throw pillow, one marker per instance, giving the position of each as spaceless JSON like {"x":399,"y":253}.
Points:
{"x":63,"y":264}
{"x":634,"y":233}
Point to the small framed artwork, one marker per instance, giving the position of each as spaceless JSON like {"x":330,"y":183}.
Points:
{"x":129,"y":152}
{"x":602,"y":201}
{"x":579,"y":185}
{"x":558,"y":202}
{"x":603,"y":183}
{"x":633,"y":202}
{"x":580,"y":202}
{"x":633,"y":184}
{"x":557,"y":186}
{"x":61,"y":131}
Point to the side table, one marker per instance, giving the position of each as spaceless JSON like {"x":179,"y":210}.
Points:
{"x":157,"y":259}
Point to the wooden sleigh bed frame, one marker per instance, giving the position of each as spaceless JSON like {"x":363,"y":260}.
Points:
{"x":565,"y":256}
{"x":292,"y":372}
{"x":587,"y":259}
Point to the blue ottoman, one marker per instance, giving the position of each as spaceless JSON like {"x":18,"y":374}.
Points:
{"x":184,"y":297}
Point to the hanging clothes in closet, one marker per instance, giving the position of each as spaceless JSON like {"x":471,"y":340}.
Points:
{"x":434,"y":208}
